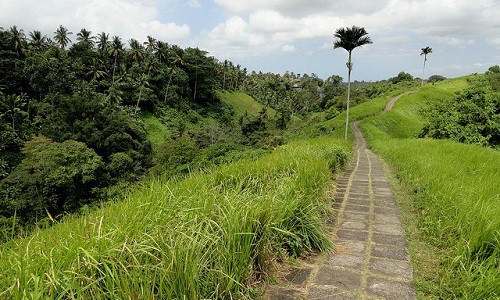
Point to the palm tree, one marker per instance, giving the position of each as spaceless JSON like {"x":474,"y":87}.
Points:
{"x":136,"y":50}
{"x":425,"y":51}
{"x":151,"y":45}
{"x":103,"y":42}
{"x":16,"y":39}
{"x":37,"y":40}
{"x":176,"y":59}
{"x":115,"y":50}
{"x":84,"y":37}
{"x":61,"y":36}
{"x":349,"y":39}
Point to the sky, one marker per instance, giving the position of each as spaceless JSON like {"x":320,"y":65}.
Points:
{"x":294,"y":35}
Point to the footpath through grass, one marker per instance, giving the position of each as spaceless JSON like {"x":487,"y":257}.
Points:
{"x":456,"y":194}
{"x":211,"y":235}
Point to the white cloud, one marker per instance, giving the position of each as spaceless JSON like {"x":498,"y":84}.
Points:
{"x":127,"y":19}
{"x":288,"y":48}
{"x":271,"y":21}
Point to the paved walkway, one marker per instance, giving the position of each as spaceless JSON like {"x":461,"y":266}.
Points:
{"x":371,"y":260}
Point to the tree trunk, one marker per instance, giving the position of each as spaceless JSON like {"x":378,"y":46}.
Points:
{"x":168,"y":85}
{"x":423,"y":70}
{"x":195,"y":84}
{"x":139,"y":99}
{"x":349,"y":68}
{"x":114,"y":68}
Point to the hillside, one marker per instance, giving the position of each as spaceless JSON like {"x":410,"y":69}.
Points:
{"x":244,"y":104}
{"x":208,"y":236}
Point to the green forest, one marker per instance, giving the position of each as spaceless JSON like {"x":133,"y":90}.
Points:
{"x":148,"y":170}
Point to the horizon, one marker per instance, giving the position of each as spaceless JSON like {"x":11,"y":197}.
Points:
{"x":276,"y":36}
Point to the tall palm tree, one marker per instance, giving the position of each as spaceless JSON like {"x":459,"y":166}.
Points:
{"x":151,"y":45}
{"x":85,"y":37}
{"x":103,"y":42}
{"x":37,"y":40}
{"x":176,"y":59}
{"x":425,"y":51}
{"x":115,"y":50}
{"x":61,"y":36}
{"x":136,"y":50}
{"x":16,"y":39}
{"x":349,"y":39}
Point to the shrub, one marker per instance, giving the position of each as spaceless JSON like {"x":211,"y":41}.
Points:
{"x":472,"y":118}
{"x":175,"y":157}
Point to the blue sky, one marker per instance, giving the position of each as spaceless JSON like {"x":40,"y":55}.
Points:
{"x":295,"y":35}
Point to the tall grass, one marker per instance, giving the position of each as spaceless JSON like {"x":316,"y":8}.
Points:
{"x":457,"y":189}
{"x":211,"y":235}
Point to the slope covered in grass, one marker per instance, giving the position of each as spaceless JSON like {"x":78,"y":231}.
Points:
{"x":243,"y":104}
{"x":209,"y":236}
{"x":358,"y":112}
{"x":457,"y":194}
{"x":157,"y":132}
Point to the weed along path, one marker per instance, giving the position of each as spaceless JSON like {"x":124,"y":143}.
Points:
{"x":371,"y":260}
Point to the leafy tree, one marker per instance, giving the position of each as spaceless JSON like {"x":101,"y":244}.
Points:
{"x":349,"y":39}
{"x":435,"y":78}
{"x":53,"y":177}
{"x":61,"y":36}
{"x":402,"y":76}
{"x":425,"y":51}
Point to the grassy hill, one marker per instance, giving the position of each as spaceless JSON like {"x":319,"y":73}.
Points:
{"x":455,"y":192}
{"x":212,"y":235}
{"x":243,"y":104}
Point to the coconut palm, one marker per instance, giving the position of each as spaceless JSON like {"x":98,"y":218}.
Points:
{"x":425,"y":51}
{"x":115,"y":49}
{"x":37,"y":40}
{"x":16,"y":39}
{"x":151,"y":45}
{"x":103,"y":42}
{"x":349,"y":39}
{"x":176,"y":59}
{"x":61,"y":36}
{"x":85,"y":37}
{"x":136,"y":50}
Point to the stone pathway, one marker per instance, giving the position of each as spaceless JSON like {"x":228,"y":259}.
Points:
{"x":371,"y":260}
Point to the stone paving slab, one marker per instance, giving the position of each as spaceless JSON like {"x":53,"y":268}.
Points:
{"x":371,"y":260}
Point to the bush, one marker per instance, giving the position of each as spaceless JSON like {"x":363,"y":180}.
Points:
{"x":175,"y":157}
{"x":472,"y":118}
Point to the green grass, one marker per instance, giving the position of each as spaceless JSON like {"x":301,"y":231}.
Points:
{"x":157,"y":132}
{"x":243,"y":104}
{"x":358,"y":112}
{"x":456,"y":194}
{"x":212,"y":235}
